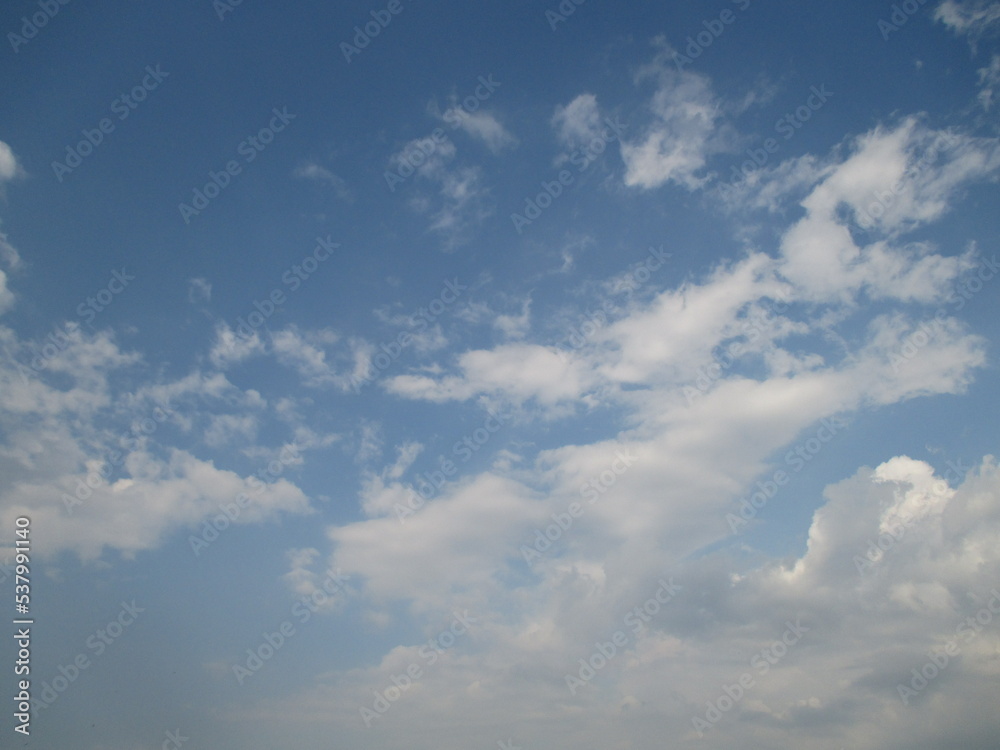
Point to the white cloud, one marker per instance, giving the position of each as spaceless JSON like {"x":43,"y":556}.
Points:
{"x":97,"y":465}
{"x":972,"y":18}
{"x":892,"y":182}
{"x":6,"y":295}
{"x":463,"y":199}
{"x":9,"y":168}
{"x":989,"y":81}
{"x":518,"y":371}
{"x":683,"y":133}
{"x":484,"y":126}
{"x":199,"y":290}
{"x":861,"y":620}
{"x":313,"y":171}
{"x":579,"y":122}
{"x":231,"y":346}
{"x":515,"y":326}
{"x":225,"y":429}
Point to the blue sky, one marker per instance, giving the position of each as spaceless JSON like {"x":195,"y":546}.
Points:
{"x":522,"y":374}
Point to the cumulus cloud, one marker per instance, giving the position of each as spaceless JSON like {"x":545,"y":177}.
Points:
{"x":683,"y":132}
{"x":724,"y":384}
{"x":898,"y":560}
{"x":97,"y":467}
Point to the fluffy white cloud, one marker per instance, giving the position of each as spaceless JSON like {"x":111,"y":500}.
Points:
{"x":96,"y":465}
{"x":897,"y":562}
{"x":9,"y":168}
{"x":712,"y":380}
{"x":683,"y":133}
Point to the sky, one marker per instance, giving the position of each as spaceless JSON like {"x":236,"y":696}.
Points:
{"x":501,"y":374}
